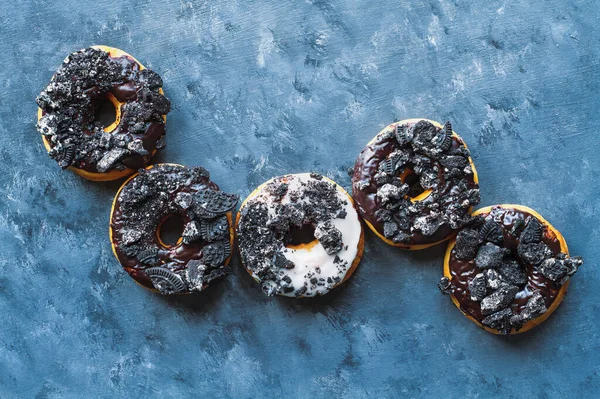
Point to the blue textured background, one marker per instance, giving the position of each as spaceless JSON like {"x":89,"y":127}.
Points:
{"x":261,"y":88}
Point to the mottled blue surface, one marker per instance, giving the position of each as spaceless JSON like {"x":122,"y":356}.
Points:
{"x":261,"y":88}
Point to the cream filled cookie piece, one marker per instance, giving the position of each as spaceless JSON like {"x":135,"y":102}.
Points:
{"x":299,"y":235}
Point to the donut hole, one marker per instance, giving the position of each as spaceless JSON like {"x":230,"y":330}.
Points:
{"x":409,"y":177}
{"x":107,"y":112}
{"x":170,"y":231}
{"x":300,"y":236}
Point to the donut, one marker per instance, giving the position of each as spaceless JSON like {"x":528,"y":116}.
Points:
{"x":67,"y":115}
{"x":150,"y":198}
{"x":415,"y":183}
{"x":299,"y":235}
{"x":507,"y":270}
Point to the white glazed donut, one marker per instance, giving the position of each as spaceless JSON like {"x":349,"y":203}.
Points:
{"x":299,"y":235}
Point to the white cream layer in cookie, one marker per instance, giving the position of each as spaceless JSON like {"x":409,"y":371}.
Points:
{"x":314,"y":268}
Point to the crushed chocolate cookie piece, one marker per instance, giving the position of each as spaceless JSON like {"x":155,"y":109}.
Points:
{"x":467,"y":241}
{"x":478,"y":287}
{"x":280,"y":225}
{"x":294,"y":214}
{"x":214,"y":274}
{"x":475,"y":222}
{"x":493,"y":279}
{"x":573,"y":262}
{"x":67,"y":156}
{"x":533,"y":253}
{"x":384,"y":215}
{"x":277,"y":190}
{"x":428,"y":224}
{"x":329,"y":237}
{"x":403,"y":135}
{"x":70,"y":101}
{"x":401,"y":159}
{"x":184,"y":200}
{"x":499,"y":299}
{"x":424,"y":134}
{"x":390,"y":229}
{"x":191,"y":232}
{"x":489,"y":256}
{"x":445,"y":286}
{"x":401,"y":238}
{"x":535,"y":307}
{"x":210,"y":203}
{"x":500,"y":321}
{"x":148,"y":256}
{"x":512,"y":272}
{"x":388,"y":168}
{"x":130,"y":236}
{"x":533,"y":231}
{"x":517,"y":228}
{"x":194,"y":273}
{"x":137,"y":147}
{"x":165,"y":281}
{"x":559,"y":269}
{"x":301,"y":291}
{"x":491,"y":231}
{"x":215,"y":229}
{"x":280,"y":261}
{"x":111,"y":158}
{"x":445,"y":141}
{"x":216,"y":253}
{"x":389,"y":193}
{"x":454,"y":162}
{"x":160,"y":143}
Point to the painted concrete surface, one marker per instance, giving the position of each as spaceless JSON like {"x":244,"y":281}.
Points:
{"x":262,"y":88}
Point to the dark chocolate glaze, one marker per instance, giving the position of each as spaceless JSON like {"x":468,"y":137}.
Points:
{"x":462,"y":270}
{"x":366,"y":167}
{"x":177,"y":255}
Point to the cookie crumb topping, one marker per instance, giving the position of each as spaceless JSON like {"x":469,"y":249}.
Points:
{"x":70,"y":101}
{"x":423,"y":186}
{"x":269,"y":221}
{"x":151,"y":197}
{"x":515,"y":265}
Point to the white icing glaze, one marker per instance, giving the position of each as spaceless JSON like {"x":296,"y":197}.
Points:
{"x":315,"y":261}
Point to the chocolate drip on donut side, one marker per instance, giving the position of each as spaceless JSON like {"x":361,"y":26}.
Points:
{"x":441,"y":157}
{"x":69,"y":103}
{"x":151,"y":197}
{"x":481,"y":268}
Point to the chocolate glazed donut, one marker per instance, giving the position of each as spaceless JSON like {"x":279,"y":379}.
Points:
{"x":415,"y":183}
{"x":145,"y":201}
{"x":508,"y":269}
{"x":67,"y":114}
